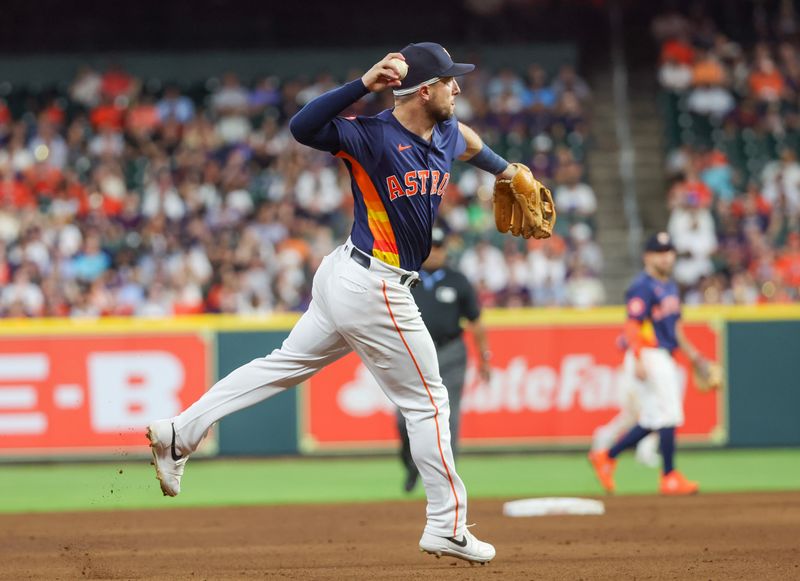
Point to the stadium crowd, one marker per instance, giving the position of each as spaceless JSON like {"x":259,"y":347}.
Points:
{"x":123,"y":197}
{"x":733,"y":125}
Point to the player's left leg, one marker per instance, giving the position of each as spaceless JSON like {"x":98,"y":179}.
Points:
{"x":412,"y":381}
{"x":452,"y":368}
{"x":667,"y":383}
{"x":397,"y":348}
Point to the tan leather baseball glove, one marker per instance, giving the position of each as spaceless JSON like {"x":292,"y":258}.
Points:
{"x":523,"y":205}
{"x":707,"y":375}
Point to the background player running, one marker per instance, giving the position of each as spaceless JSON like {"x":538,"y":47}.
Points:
{"x":399,"y":162}
{"x":653,"y":333}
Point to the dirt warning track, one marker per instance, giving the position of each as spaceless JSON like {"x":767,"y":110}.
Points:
{"x":725,"y":536}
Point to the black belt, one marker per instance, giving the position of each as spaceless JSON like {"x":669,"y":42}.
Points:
{"x":364,"y":260}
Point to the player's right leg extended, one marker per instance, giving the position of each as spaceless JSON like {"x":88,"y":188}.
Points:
{"x":312,"y":344}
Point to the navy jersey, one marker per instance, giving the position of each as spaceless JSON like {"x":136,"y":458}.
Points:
{"x":657,"y":304}
{"x":398,"y":181}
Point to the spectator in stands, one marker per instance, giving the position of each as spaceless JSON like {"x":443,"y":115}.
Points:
{"x":23,"y":297}
{"x":85,"y":89}
{"x":175,"y":107}
{"x":690,"y":190}
{"x":788,"y":263}
{"x":575,"y":199}
{"x":782,"y":178}
{"x":548,"y":271}
{"x":47,"y":146}
{"x":743,"y":290}
{"x":538,"y":92}
{"x":92,"y":261}
{"x":692,"y":229}
{"x":230,"y":106}
{"x":485,"y":265}
{"x":751,"y":210}
{"x":717,"y":175}
{"x":266,"y":94}
{"x":766,"y":81}
{"x":568,"y":81}
{"x":154,"y":206}
{"x":674,"y":75}
{"x":108,"y":113}
{"x":584,"y":252}
{"x":707,"y":70}
{"x":161,"y":197}
{"x":117,"y":83}
{"x":506,"y":84}
{"x":583,"y":289}
{"x":710,"y":99}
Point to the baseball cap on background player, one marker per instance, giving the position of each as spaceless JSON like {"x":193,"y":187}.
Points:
{"x":427,"y":63}
{"x":659,"y":242}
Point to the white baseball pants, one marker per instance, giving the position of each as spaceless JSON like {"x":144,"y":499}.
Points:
{"x":607,"y":435}
{"x":371,"y":313}
{"x":661,"y":394}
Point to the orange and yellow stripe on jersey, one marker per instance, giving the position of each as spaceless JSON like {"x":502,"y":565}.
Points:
{"x":384,"y":245}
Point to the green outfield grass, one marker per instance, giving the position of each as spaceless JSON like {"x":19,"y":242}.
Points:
{"x":25,"y":488}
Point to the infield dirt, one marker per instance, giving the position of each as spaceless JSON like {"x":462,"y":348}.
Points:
{"x":723,"y":536}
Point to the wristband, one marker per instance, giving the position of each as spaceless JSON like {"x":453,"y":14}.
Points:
{"x":488,"y":160}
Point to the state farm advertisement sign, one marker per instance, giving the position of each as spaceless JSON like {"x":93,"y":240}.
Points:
{"x":550,"y":385}
{"x":89,"y":394}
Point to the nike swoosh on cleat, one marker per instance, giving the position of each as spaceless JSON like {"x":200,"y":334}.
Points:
{"x":461,"y":543}
{"x":403,"y":147}
{"x":172,"y":449}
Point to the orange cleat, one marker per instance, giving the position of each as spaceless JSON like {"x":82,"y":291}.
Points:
{"x":603,"y":468}
{"x":675,"y":484}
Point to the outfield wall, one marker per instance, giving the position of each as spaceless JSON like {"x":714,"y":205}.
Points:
{"x":82,"y":389}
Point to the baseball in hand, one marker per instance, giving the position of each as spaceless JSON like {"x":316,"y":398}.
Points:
{"x":401,"y":66}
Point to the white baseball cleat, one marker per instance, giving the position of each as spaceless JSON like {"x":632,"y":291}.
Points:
{"x":467,"y":547}
{"x":169,"y":465}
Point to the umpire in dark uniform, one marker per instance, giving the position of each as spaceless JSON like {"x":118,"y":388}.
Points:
{"x":444,"y":297}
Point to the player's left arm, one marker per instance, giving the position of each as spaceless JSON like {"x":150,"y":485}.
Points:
{"x":707,"y":374}
{"x":480,"y":155}
{"x":522,"y":204}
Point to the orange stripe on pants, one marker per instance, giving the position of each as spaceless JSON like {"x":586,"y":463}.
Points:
{"x":433,"y":403}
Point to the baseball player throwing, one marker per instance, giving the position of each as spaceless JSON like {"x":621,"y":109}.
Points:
{"x":653,"y":333}
{"x":399,"y":162}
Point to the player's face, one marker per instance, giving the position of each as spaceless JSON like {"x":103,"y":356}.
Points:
{"x":443,"y":98}
{"x":661,"y":262}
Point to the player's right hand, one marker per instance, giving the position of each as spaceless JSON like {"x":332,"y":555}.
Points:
{"x":383,"y":74}
{"x":639,"y":370}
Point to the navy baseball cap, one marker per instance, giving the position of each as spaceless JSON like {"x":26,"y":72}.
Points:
{"x":659,"y":242}
{"x":427,"y":63}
